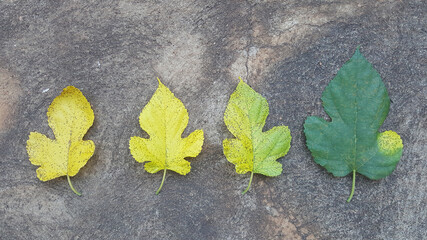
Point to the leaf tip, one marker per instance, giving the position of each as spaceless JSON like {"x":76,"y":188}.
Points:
{"x":243,"y":84}
{"x":71,"y":89}
{"x":357,"y":54}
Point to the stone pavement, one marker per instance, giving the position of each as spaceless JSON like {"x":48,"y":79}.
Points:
{"x":286,"y":50}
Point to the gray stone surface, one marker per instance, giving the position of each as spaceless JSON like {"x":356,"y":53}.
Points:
{"x":286,"y":50}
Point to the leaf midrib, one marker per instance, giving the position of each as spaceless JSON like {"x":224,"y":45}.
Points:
{"x":253,"y":135}
{"x":165,"y":135}
{"x":355,"y":126}
{"x":69,"y":145}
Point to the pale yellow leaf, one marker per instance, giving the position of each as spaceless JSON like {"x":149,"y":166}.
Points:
{"x":70,"y":116}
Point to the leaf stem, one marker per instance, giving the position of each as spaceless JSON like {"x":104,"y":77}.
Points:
{"x":161,"y":184}
{"x":250,"y":181}
{"x":71,"y":186}
{"x":352,"y":188}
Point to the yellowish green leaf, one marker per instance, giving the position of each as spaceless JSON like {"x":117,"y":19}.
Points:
{"x":165,"y":118}
{"x":253,"y":150}
{"x":70,"y":116}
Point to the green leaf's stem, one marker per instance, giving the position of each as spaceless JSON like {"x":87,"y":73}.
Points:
{"x":71,"y":186}
{"x":352,"y":188}
{"x":161,"y":184}
{"x":250,"y":181}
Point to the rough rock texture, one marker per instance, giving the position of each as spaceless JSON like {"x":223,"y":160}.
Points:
{"x":286,"y":50}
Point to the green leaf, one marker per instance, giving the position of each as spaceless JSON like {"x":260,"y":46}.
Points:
{"x":253,"y":150}
{"x":358,"y":103}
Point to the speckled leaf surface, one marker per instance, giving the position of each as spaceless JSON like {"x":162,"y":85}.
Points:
{"x":253,"y":150}
{"x":70,"y":116}
{"x":358,"y":103}
{"x":165,"y":118}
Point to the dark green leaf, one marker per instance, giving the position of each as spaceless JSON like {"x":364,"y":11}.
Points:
{"x":358,"y":103}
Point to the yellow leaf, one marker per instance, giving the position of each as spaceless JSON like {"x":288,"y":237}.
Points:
{"x":164,"y":118}
{"x":69,"y":117}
